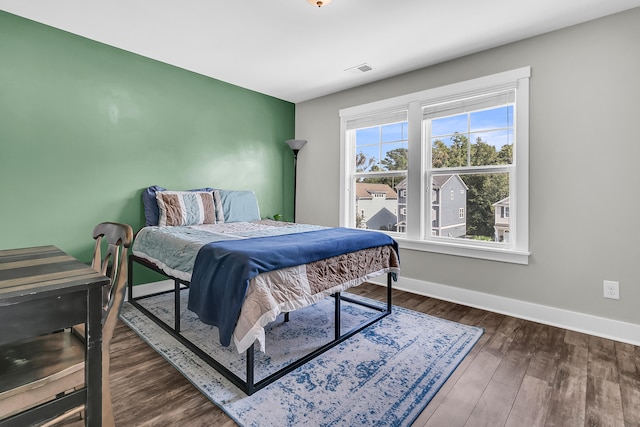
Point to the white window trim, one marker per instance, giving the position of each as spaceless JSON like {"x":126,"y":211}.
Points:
{"x":519,"y":196}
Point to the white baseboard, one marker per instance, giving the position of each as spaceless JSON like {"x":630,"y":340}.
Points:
{"x":599,"y":326}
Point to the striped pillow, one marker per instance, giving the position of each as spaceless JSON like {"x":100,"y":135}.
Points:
{"x":185,"y":208}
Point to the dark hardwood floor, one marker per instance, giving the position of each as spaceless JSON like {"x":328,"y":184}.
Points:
{"x":520,"y":373}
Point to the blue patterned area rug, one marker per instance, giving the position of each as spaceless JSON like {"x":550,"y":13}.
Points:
{"x":383,"y":376}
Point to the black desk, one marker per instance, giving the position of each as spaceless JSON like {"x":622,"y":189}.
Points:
{"x":42,"y":289}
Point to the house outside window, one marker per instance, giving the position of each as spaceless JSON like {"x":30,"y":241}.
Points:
{"x":471,"y":136}
{"x":377,"y":204}
{"x":502,"y":223}
{"x":445,"y":215}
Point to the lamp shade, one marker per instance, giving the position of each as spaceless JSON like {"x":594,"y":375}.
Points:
{"x":296,"y":144}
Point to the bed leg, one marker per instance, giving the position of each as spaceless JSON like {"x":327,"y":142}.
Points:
{"x":130,"y":277}
{"x":389,"y":292}
{"x":250,"y":363}
{"x":286,"y":316}
{"x":337,"y":315}
{"x":176,"y":301}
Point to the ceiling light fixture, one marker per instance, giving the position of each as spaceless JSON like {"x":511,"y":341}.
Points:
{"x":318,"y":2}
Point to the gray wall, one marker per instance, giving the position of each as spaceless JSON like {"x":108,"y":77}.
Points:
{"x":584,"y":167}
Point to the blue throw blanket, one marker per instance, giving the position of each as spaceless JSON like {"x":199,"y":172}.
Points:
{"x":223,"y":269}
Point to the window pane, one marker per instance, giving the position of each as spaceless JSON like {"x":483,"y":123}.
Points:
{"x":492,"y":136}
{"x":394,"y":132}
{"x":381,"y":203}
{"x":501,"y":117}
{"x":450,"y":152}
{"x":447,"y":126}
{"x":367,"y":148}
{"x":394,"y":156}
{"x":470,"y":206}
{"x":491,"y":148}
{"x":381,"y":148}
{"x":366,"y":158}
{"x":367,"y":136}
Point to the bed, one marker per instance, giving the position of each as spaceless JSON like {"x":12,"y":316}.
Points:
{"x":242,"y":272}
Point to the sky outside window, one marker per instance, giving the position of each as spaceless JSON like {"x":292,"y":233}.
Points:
{"x":376,"y":142}
{"x":496,"y":125}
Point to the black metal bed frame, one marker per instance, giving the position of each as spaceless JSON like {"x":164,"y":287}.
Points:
{"x":249,"y":386}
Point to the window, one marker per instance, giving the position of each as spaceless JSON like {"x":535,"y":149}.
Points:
{"x":453,"y":159}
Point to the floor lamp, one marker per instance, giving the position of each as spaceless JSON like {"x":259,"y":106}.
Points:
{"x":295,"y":145}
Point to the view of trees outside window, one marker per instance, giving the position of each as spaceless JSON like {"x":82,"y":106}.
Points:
{"x":470,"y":156}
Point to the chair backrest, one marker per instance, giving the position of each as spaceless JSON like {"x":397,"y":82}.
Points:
{"x":113,"y":263}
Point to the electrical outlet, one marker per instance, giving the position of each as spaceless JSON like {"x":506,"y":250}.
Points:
{"x":611,"y":289}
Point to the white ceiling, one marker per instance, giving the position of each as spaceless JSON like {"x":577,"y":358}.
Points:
{"x":294,"y":51}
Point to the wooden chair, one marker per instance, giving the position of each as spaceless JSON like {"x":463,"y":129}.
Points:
{"x":36,"y":370}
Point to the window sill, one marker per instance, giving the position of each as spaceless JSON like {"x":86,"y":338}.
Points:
{"x":469,"y":251}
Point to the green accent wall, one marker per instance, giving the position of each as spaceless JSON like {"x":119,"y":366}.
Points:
{"x":85,"y":127}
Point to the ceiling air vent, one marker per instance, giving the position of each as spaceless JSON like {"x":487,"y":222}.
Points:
{"x":358,"y":69}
